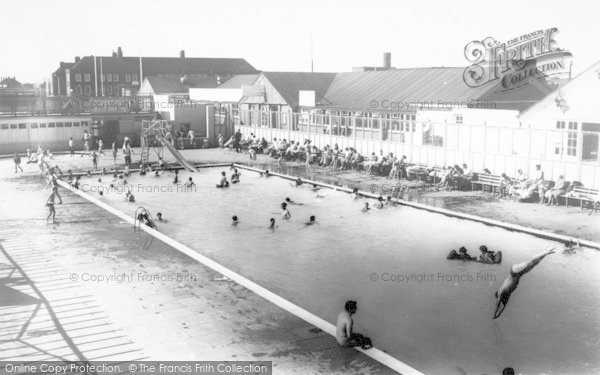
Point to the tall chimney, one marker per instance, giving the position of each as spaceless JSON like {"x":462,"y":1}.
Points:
{"x":387,"y":60}
{"x":119,"y":53}
{"x":182,"y":53}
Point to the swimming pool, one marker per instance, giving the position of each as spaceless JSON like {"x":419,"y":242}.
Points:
{"x":432,"y":313}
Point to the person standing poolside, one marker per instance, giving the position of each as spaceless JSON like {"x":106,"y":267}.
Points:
{"x":100,"y":147}
{"x":53,"y":180}
{"x":86,"y":141}
{"x":71,"y":148}
{"x":127,"y":152}
{"x":114,"y":152}
{"x":17,"y":160}
{"x":95,"y":160}
{"x":220,"y":140}
{"x":51,"y":209}
{"x":512,"y":281}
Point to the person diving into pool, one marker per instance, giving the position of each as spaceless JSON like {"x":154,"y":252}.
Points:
{"x":512,"y":281}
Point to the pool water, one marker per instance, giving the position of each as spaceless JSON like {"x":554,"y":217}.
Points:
{"x":431,"y":313}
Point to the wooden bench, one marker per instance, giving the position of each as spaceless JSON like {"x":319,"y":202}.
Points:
{"x":485,"y":180}
{"x":585,"y":196}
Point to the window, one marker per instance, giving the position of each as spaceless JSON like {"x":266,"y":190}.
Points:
{"x":22,"y":126}
{"x":87,"y":77}
{"x":572,"y":144}
{"x":116,"y":77}
{"x":134,"y":76}
{"x":560,"y":124}
{"x":572,"y":125}
{"x":33,"y":125}
{"x":60,"y":124}
{"x":51,"y":125}
{"x":84,"y":123}
{"x":128,"y":77}
{"x":42,"y":125}
{"x":4,"y":126}
{"x":78,"y":77}
{"x":88,"y":89}
{"x":76,"y":124}
{"x":109,"y":90}
{"x":109,"y":77}
{"x":68,"y":124}
{"x":78,"y":89}
{"x":458,"y":118}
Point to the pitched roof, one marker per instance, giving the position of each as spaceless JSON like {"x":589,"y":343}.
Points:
{"x":172,"y":65}
{"x":288,"y":84}
{"x":239,"y":80}
{"x":358,"y":90}
{"x":164,"y":85}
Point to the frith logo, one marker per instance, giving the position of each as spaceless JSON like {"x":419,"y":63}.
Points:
{"x":515,"y":63}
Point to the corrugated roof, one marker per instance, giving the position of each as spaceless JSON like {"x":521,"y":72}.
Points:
{"x":239,"y":80}
{"x":359,"y":90}
{"x":288,"y":84}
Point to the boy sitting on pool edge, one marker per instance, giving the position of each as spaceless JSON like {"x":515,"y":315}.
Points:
{"x":344,"y":334}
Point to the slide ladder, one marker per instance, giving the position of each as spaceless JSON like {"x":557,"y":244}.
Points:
{"x":159,"y":129}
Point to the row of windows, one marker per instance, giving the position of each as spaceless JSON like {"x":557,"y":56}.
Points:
{"x":108,"y":77}
{"x":87,"y":90}
{"x":35,"y":125}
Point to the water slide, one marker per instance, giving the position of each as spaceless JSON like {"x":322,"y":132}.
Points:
{"x":180,"y":159}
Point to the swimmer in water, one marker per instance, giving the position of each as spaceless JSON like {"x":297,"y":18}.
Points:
{"x":223,"y":183}
{"x":366,"y":207}
{"x":571,"y":247}
{"x":234,"y":220}
{"x":235,"y":176}
{"x":289,"y":201}
{"x":380,"y":202}
{"x":176,"y":179}
{"x":160,"y":218}
{"x":272,"y":225}
{"x":190,"y":183}
{"x":129,"y":197}
{"x":311,"y":221}
{"x":354,"y":194}
{"x":315,"y":188}
{"x":512,"y":281}
{"x":285,"y":213}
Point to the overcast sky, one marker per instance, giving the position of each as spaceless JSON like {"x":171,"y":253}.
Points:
{"x":276,"y":35}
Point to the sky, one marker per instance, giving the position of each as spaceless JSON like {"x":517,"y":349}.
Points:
{"x":35,"y":36}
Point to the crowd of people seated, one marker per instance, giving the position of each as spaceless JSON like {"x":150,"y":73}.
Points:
{"x":519,"y":188}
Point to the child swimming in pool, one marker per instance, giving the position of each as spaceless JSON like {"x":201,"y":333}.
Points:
{"x":272,"y":224}
{"x":129,"y":196}
{"x":380,"y":204}
{"x":234,"y":220}
{"x":160,"y":218}
{"x":190,"y":183}
{"x":235,"y":176}
{"x":285,"y":213}
{"x":223,"y":183}
{"x":354,"y":194}
{"x":366,"y":207}
{"x":311,"y":221}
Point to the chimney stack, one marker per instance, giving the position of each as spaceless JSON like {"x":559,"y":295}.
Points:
{"x":387,"y":60}
{"x":119,"y":53}
{"x":182,"y":53}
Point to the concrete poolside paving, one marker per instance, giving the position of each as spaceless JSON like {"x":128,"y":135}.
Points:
{"x":158,"y":305}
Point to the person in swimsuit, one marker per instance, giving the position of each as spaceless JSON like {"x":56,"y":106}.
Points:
{"x":380,"y":203}
{"x":176,"y":179}
{"x":190,"y":183}
{"x":462,"y":254}
{"x":285,"y":213}
{"x":311,"y":221}
{"x":366,"y":207}
{"x":51,"y":209}
{"x":512,"y":281}
{"x":53,"y":180}
{"x":234,"y":220}
{"x":354,"y":194}
{"x":129,"y":196}
{"x":114,"y":152}
{"x":223,"y":183}
{"x":160,"y":218}
{"x":289,"y":201}
{"x":17,"y":160}
{"x":235,"y":176}
{"x":272,"y":224}
{"x":95,"y":160}
{"x":343,"y":332}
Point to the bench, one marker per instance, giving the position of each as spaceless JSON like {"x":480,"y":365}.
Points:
{"x":485,"y":180}
{"x":585,"y":196}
